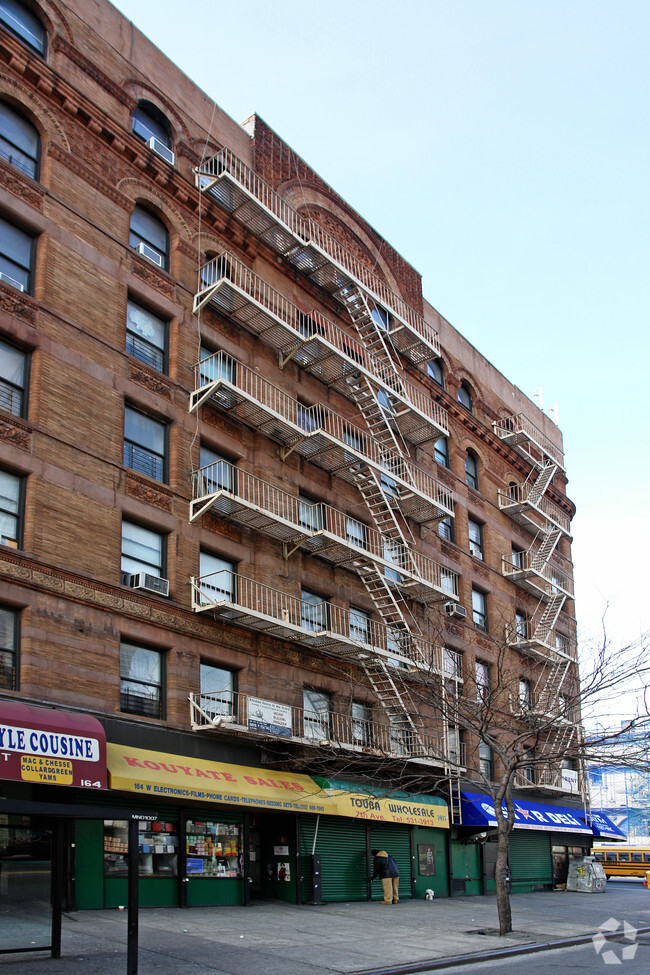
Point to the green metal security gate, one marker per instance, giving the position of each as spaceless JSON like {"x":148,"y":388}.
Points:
{"x":396,"y":840}
{"x":341,"y":844}
{"x":531,"y":864}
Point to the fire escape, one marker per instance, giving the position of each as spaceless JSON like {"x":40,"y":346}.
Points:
{"x":374,"y":458}
{"x":541,"y":571}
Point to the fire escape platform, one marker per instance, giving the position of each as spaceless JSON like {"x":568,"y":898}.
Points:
{"x":309,"y":249}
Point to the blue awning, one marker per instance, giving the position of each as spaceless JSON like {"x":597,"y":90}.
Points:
{"x":603,"y":827}
{"x":478,"y":810}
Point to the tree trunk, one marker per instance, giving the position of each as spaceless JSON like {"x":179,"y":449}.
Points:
{"x":502,"y":876}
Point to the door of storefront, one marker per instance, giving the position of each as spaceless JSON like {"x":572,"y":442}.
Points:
{"x":466,"y":868}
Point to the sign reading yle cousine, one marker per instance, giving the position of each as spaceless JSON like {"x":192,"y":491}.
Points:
{"x":50,"y":747}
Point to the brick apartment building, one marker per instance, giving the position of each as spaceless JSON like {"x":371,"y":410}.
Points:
{"x":259,"y":499}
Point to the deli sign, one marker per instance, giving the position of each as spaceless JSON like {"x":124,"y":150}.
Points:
{"x":49,"y":747}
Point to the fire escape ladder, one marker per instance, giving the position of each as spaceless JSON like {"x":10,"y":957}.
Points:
{"x":383,"y":511}
{"x":545,"y":474}
{"x":394,"y":697}
{"x":546,"y":621}
{"x":388,"y":601}
{"x":373,"y":336}
{"x":541,"y":557}
{"x":549,"y":685}
{"x":378,"y":416}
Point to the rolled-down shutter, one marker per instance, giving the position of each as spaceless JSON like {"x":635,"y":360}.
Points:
{"x":341,"y":844}
{"x":530,"y":859}
{"x":396,"y":840}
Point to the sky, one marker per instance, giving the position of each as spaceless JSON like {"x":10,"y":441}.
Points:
{"x":503,"y":149}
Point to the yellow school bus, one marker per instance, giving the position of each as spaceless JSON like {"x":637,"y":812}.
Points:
{"x":619,"y":860}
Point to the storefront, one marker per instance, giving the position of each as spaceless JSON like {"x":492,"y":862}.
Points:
{"x":49,"y":762}
{"x":543,"y":840}
{"x":217,"y":833}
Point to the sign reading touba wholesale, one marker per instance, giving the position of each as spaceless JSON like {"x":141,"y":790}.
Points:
{"x":51,"y":747}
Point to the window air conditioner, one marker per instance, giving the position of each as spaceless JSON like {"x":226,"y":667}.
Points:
{"x":148,"y":583}
{"x":161,"y":149}
{"x":455,"y":611}
{"x":11,"y":281}
{"x":150,"y":253}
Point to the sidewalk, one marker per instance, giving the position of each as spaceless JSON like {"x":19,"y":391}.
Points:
{"x":272,"y":938}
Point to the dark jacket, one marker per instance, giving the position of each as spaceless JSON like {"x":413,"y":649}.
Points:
{"x":384,"y":866}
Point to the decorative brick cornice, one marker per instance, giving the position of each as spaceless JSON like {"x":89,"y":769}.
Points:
{"x":13,"y":432}
{"x":21,"y":186}
{"x":60,"y":44}
{"x":79,"y":589}
{"x":144,"y":270}
{"x":150,"y":379}
{"x":144,"y":490}
{"x":15,"y":303}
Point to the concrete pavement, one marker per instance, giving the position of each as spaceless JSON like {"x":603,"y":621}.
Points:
{"x":272,"y":938}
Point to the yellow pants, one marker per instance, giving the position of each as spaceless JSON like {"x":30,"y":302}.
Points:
{"x":391,"y":889}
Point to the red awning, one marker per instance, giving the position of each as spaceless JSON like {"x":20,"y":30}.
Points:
{"x":49,"y":747}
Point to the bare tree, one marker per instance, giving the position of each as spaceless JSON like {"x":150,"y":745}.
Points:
{"x":530,"y":713}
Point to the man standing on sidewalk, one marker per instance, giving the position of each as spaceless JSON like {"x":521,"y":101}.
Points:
{"x":386,"y":869}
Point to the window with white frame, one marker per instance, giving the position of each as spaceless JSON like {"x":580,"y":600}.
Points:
{"x":393,"y":553}
{"x":517,"y":557}
{"x":148,"y":236}
{"x":310,"y":513}
{"x":359,"y":625}
{"x":441,"y":451}
{"x":317,"y":711}
{"x":146,"y":335}
{"x":356,"y":532}
{"x":9,"y":622}
{"x":521,"y":625}
{"x":475,"y":530}
{"x":13,"y":379}
{"x":20,"y":143}
{"x":482,"y":672}
{"x":216,"y":471}
{"x":10,"y":509}
{"x":16,"y":257}
{"x":145,"y":444}
{"x":400,"y":733}
{"x":471,"y":470}
{"x":141,"y":680}
{"x":361,"y":723}
{"x":314,"y":611}
{"x":143,"y":550}
{"x":446,"y":528}
{"x":480,"y":610}
{"x":218,"y":579}
{"x":218,"y":690}
{"x":485,"y":762}
{"x":525,"y":694}
{"x":149,"y":122}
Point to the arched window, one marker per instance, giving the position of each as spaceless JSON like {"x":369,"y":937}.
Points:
{"x":465,"y":396}
{"x":152,"y":127}
{"x":20,"y":144}
{"x":22,"y":23}
{"x":149,"y":237}
{"x":441,"y":451}
{"x":434,"y":368}
{"x":471,"y":470}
